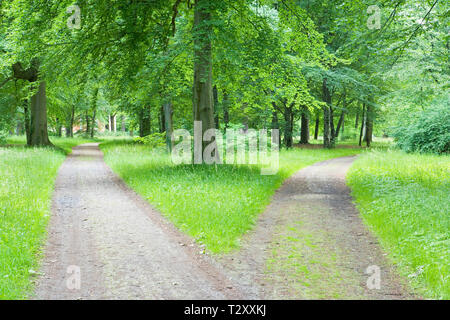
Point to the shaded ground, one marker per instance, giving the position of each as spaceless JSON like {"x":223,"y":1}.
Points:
{"x":311,"y":243}
{"x":123,"y":248}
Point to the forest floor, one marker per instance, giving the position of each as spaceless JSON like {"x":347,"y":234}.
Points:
{"x":309,"y":243}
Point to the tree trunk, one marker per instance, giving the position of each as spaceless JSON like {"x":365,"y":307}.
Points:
{"x":162,"y":120}
{"x":304,"y":130}
{"x":362,"y":124}
{"x":216,"y":107}
{"x":94,"y":112}
{"x":122,"y":123}
{"x":316,"y":130}
{"x":226,"y":115}
{"x":340,"y":123}
{"x":369,"y":125}
{"x":19,"y":128}
{"x":328,"y":134}
{"x":38,"y":127}
{"x":168,"y":113}
{"x":202,"y":87}
{"x":288,"y":127}
{"x":357,"y":118}
{"x":276,"y":125}
{"x":144,"y":122}
{"x":58,"y":128}
{"x":88,"y":123}
{"x":26,"y":114}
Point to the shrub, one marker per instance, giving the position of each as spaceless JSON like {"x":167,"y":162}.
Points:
{"x":3,"y":136}
{"x":427,"y":131}
{"x":154,"y":140}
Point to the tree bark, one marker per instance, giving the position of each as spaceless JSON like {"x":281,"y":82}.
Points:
{"x":144,"y":122}
{"x":304,"y":130}
{"x":226,"y":115}
{"x":362,"y":124}
{"x":38,"y":127}
{"x":94,"y":111}
{"x":340,"y":122}
{"x":88,"y":124}
{"x":276,"y":125}
{"x":327,"y":117}
{"x":288,"y":128}
{"x":38,"y":132}
{"x":168,"y":113}
{"x":216,"y":107}
{"x":26,"y":114}
{"x":316,"y":130}
{"x":369,"y":125}
{"x":202,"y":87}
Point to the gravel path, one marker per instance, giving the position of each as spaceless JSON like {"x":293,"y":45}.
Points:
{"x":122,"y":248}
{"x":311,"y":243}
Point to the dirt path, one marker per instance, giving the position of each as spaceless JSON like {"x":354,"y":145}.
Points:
{"x":311,"y":243}
{"x":122,"y":247}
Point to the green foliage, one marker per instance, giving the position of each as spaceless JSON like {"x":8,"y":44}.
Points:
{"x":154,"y":140}
{"x":404,"y":200}
{"x":3,"y":136}
{"x":427,"y":131}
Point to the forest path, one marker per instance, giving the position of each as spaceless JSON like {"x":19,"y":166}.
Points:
{"x":311,"y":243}
{"x":105,"y":235}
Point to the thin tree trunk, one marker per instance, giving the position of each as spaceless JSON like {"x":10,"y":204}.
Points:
{"x":288,"y":128}
{"x":362,"y":124}
{"x":226,"y":115}
{"x":216,"y":107}
{"x":340,"y":123}
{"x":122,"y":123}
{"x":316,"y":130}
{"x":94,"y":108}
{"x":369,"y":125}
{"x":304,"y":130}
{"x":162,"y":120}
{"x":327,"y":117}
{"x":276,"y":125}
{"x":144,"y":122}
{"x":58,"y":128}
{"x":27,"y":121}
{"x":88,"y":123}
{"x":168,"y":113}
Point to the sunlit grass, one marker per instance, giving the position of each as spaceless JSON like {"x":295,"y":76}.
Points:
{"x":214,"y":204}
{"x":404,"y":198}
{"x":27,"y":178}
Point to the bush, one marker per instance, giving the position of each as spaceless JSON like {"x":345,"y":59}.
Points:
{"x":3,"y":136}
{"x":427,"y":131}
{"x":154,"y":140}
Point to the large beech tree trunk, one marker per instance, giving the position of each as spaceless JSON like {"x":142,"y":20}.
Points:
{"x":304,"y":130}
{"x":38,"y":123}
{"x":38,"y":134}
{"x":202,"y":88}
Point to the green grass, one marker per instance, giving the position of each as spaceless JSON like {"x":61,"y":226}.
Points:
{"x":404,"y":199}
{"x":27,"y":178}
{"x":214,"y":204}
